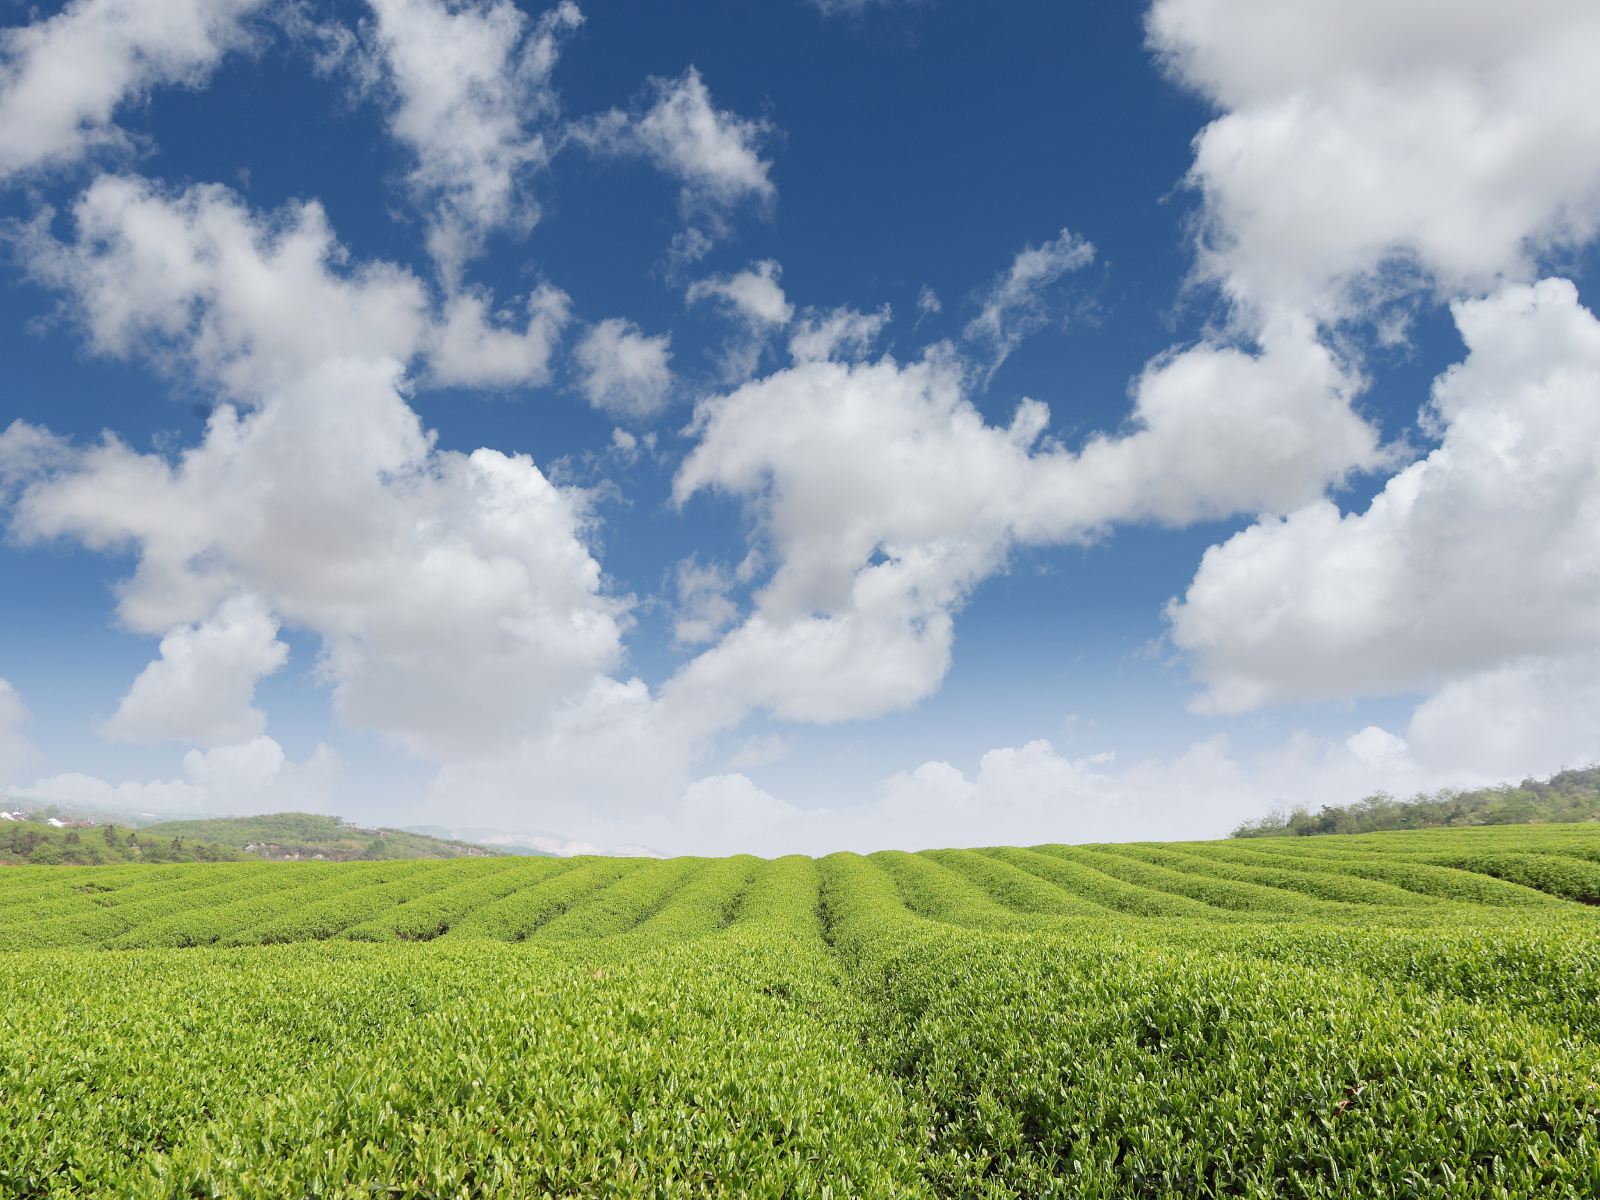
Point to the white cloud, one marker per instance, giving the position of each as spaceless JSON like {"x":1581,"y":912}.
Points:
{"x":838,"y":333}
{"x":688,"y":246}
{"x":626,"y":447}
{"x":1530,"y":720}
{"x":714,"y":153}
{"x":1015,"y":304}
{"x":754,"y":295}
{"x":846,"y":461}
{"x":1026,"y":791}
{"x":254,"y":776}
{"x":610,"y":763}
{"x":728,"y":810}
{"x":251,"y":304}
{"x":1368,"y":153}
{"x":1367,"y":148}
{"x":471,"y":84}
{"x":625,"y":371}
{"x":886,"y":498}
{"x":1217,"y":430}
{"x":201,"y":687}
{"x":63,"y":79}
{"x":758,"y":750}
{"x":703,"y":609}
{"x":454,"y":595}
{"x":755,"y":299}
{"x":472,"y":349}
{"x":1374,"y":746}
{"x":1021,"y":795}
{"x":928,"y":302}
{"x":1526,"y":717}
{"x":25,"y":451}
{"x":1481,"y":553}
{"x":14,"y":745}
{"x":619,"y":770}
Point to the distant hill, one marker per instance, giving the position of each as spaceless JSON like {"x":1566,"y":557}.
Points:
{"x":1567,"y":796}
{"x":278,"y":836}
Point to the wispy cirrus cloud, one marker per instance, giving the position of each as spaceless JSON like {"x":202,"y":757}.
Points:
{"x":1016,"y":305}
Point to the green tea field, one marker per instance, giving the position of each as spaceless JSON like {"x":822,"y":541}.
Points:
{"x":1389,"y":1015}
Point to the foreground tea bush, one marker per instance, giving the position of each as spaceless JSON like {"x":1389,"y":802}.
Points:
{"x":488,"y":1070}
{"x":1087,"y":1065}
{"x":1380,"y":1016}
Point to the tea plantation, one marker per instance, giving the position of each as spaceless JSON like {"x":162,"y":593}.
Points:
{"x":1388,"y":1015}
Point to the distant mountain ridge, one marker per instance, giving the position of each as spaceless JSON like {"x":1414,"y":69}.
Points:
{"x":284,"y":837}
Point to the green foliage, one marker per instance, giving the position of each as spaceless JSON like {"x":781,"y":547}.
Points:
{"x":1565,"y":797}
{"x":521,"y":913}
{"x":281,"y":836}
{"x":298,"y":836}
{"x":41,"y":844}
{"x":1388,"y":1015}
{"x":424,"y":918}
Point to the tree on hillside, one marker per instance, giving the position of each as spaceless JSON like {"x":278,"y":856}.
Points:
{"x":1567,"y":796}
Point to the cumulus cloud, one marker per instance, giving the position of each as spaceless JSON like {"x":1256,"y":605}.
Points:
{"x":1340,"y":171}
{"x":1366,"y":155}
{"x":625,"y":371}
{"x":1369,"y":157}
{"x":886,"y":497}
{"x":758,"y":750}
{"x":470,"y":84}
{"x":1015,"y":304}
{"x":704,"y":608}
{"x":847,"y":461}
{"x":200,"y":688}
{"x":1526,"y":720}
{"x":1480,"y":553}
{"x":754,"y":298}
{"x":617,"y":774}
{"x":249,"y":777}
{"x":730,"y":810}
{"x":1525,"y":717}
{"x":753,"y":295}
{"x":473,"y":348}
{"x":1217,"y":430}
{"x":838,"y":333}
{"x":714,"y":153}
{"x":62,"y":79}
{"x":610,"y":765}
{"x":454,"y":595}
{"x":193,"y":281}
{"x":1034,"y":793}
{"x":196,"y":282}
{"x":26,"y":450}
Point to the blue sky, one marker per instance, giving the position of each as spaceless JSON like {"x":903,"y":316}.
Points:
{"x":716,"y":321}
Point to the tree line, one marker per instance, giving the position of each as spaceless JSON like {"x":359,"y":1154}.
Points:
{"x":1567,"y":796}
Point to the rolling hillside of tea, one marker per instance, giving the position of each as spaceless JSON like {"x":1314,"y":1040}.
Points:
{"x":1387,"y":1015}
